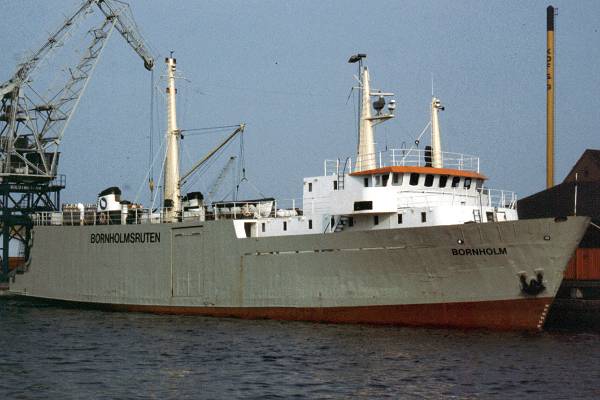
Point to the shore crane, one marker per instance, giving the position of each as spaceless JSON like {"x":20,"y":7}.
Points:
{"x":33,"y":121}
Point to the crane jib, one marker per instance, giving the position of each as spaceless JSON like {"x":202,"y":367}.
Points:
{"x":31,"y":149}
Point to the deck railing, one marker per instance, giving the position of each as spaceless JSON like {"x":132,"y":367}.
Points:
{"x":458,"y":196}
{"x":498,"y":198}
{"x":219,"y":210}
{"x":403,"y":158}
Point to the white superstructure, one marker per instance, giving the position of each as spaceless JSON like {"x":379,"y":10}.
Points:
{"x":395,"y":188}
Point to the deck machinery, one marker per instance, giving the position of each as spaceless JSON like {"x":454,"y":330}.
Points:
{"x":33,"y":120}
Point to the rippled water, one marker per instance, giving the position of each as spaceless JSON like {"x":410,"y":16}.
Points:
{"x":52,"y":352}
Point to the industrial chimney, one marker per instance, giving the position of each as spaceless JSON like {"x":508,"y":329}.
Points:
{"x":550,"y":97}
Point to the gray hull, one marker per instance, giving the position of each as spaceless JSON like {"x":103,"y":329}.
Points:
{"x":462,"y":275}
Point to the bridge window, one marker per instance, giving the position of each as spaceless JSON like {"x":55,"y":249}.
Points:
{"x":467,"y":183}
{"x":376,"y":220}
{"x":397,"y":179}
{"x":384,"y":179}
{"x":455,"y":181}
{"x":428,"y":180}
{"x":334,"y":185}
{"x":377,"y":180}
{"x":284,"y":225}
{"x":366,"y":182}
{"x":310,"y":224}
{"x":443,"y":180}
{"x":399,"y":219}
{"x":478,"y":183}
{"x":310,"y":186}
{"x":350,"y":221}
{"x":262,"y":227}
{"x":363,"y":205}
{"x":414,"y":179}
{"x":423,"y":217}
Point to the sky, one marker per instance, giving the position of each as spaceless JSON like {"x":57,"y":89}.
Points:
{"x":281,"y":68}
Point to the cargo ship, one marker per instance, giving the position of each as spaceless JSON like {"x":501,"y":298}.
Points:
{"x":403,"y":236}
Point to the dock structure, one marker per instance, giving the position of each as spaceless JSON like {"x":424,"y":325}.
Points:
{"x":578,"y":194}
{"x":20,"y":198}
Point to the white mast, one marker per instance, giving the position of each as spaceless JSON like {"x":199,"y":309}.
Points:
{"x":436,"y":142}
{"x":365,"y":153}
{"x":172,"y":194}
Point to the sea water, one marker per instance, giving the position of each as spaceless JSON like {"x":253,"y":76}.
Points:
{"x":51,"y":352}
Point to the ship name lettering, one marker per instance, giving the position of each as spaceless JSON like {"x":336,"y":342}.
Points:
{"x":487,"y":251}
{"x":125,"y":238}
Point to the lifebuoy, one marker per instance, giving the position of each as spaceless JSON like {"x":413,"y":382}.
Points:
{"x":103,"y":218}
{"x":102,"y":203}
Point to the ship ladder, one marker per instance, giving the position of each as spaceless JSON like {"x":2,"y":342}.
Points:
{"x":340,"y":182}
{"x":477,"y":215}
{"x":341,"y":175}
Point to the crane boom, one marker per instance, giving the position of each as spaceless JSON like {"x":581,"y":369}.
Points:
{"x":217,"y":182}
{"x":239,"y":129}
{"x":31,"y":124}
{"x":55,"y":40}
{"x":126,"y":26}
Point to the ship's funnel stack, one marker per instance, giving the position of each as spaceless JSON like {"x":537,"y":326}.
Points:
{"x":365,"y":153}
{"x":436,"y":141}
{"x":172,"y":194}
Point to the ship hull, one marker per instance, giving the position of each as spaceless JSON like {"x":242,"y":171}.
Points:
{"x":521,"y":314}
{"x":464,"y":276}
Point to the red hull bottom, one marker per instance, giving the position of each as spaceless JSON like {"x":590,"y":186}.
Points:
{"x":521,"y":314}
{"x":526,"y":314}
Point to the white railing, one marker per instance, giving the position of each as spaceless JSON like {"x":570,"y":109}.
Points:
{"x":288,"y":204}
{"x":460,"y":197}
{"x":75,"y":217}
{"x":404,"y":158}
{"x":416,"y":158}
{"x":220,"y":210}
{"x":498,"y":198}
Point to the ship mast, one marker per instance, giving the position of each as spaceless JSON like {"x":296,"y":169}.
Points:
{"x":172,"y":192}
{"x":436,"y":142}
{"x":365,"y":152}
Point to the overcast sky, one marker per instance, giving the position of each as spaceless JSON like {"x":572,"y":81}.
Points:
{"x":281,"y":67}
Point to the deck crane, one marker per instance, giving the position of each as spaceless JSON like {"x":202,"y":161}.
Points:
{"x":33,"y":122}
